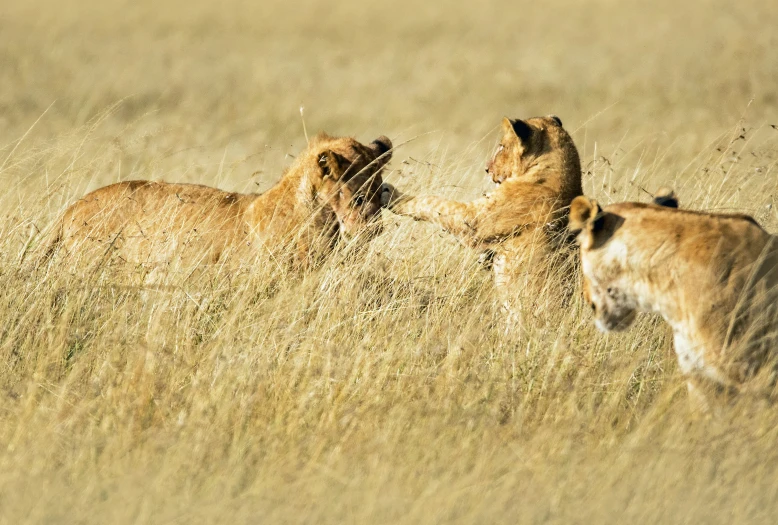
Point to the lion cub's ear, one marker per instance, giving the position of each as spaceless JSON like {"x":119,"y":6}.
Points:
{"x":332,"y":164}
{"x":516,"y":127}
{"x":666,"y":197}
{"x":381,"y":146}
{"x":585,"y":214}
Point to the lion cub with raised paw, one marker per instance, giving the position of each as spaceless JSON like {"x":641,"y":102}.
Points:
{"x":712,"y":276}
{"x":331,"y":190}
{"x":521,"y":224}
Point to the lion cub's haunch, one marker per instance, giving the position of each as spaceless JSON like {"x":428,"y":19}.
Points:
{"x":331,"y":189}
{"x":711,"y":276}
{"x":538,"y":173}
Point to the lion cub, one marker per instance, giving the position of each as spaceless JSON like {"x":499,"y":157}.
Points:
{"x":711,"y":276}
{"x":331,"y":190}
{"x":522,"y":222}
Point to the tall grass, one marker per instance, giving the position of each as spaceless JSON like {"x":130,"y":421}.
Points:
{"x":382,"y":387}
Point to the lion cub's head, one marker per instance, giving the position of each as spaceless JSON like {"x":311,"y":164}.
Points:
{"x":609,"y":258}
{"x":539,"y":142}
{"x":348,"y":180}
{"x":604,"y":265}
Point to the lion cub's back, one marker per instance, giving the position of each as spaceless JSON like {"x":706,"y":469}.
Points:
{"x":145,"y":221}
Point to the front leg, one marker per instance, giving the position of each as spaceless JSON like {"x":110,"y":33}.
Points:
{"x":458,"y":218}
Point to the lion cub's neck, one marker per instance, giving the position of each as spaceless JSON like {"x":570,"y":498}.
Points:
{"x":289,"y":202}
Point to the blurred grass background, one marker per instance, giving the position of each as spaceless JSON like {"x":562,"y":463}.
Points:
{"x":383,"y":390}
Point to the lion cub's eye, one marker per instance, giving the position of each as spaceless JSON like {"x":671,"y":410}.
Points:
{"x":359,"y":200}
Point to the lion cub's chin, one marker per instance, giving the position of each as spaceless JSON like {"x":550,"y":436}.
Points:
{"x":608,"y":325}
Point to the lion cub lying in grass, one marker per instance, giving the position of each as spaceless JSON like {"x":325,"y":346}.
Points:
{"x":331,"y":190}
{"x":711,"y":276}
{"x":522,"y":222}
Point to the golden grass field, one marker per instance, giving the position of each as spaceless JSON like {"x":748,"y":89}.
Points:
{"x":381,"y":389}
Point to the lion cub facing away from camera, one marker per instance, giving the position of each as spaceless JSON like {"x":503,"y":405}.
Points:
{"x":521,"y":224}
{"x":332,"y":189}
{"x":711,"y":276}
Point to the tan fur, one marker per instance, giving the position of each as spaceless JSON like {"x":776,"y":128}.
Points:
{"x":712,"y":277}
{"x":331,"y":189}
{"x":538,"y":172}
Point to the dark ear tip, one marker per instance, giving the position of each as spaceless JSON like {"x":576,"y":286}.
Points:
{"x":521,"y":128}
{"x":667,"y":203}
{"x":666,"y":197}
{"x":382,"y":144}
{"x":557,"y":120}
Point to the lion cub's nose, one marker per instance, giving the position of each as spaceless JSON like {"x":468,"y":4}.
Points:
{"x":387,"y":190}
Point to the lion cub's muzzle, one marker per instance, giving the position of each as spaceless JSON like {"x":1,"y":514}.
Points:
{"x":612,"y":308}
{"x":364,"y":232}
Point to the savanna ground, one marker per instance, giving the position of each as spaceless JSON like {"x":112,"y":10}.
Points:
{"x":381,"y":389}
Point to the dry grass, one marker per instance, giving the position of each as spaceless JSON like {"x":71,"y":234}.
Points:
{"x":381,"y":389}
